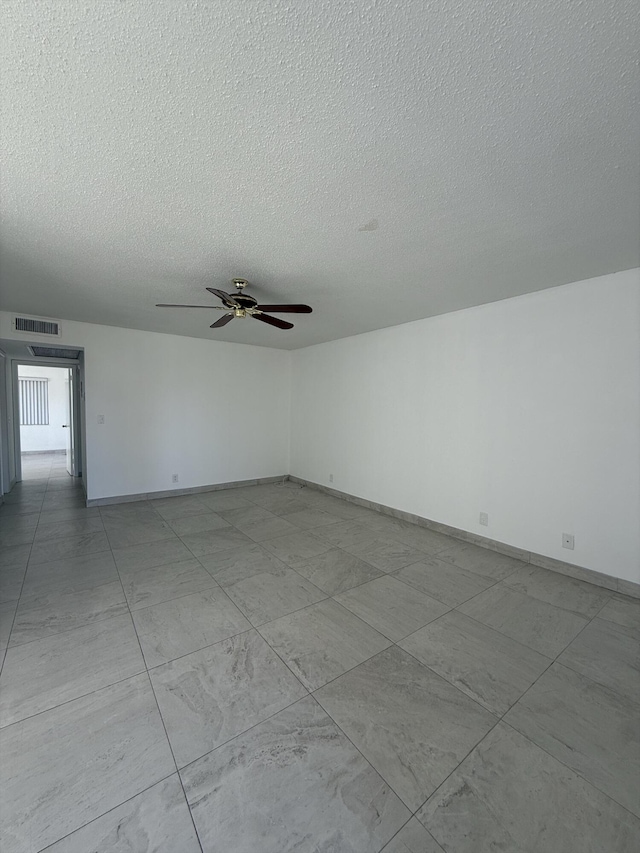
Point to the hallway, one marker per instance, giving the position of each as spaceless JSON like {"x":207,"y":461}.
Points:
{"x":39,"y":468}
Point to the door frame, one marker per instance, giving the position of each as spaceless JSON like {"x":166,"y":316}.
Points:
{"x":77,"y":415}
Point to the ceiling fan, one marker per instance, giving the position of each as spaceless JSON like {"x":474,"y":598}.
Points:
{"x":240,"y":304}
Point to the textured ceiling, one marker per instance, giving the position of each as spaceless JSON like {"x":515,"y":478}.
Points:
{"x":381,"y":161}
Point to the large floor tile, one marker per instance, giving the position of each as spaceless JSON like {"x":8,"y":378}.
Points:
{"x":40,"y":675}
{"x":247,"y":515}
{"x":223,"y":500}
{"x":125,"y":533}
{"x":181,"y":506}
{"x":386,"y":554}
{"x":198,"y":523}
{"x":409,"y":723}
{"x":307,"y":519}
{"x":68,"y":546}
{"x":609,"y":654}
{"x":55,"y":516}
{"x":268,"y":595}
{"x":391,"y":607}
{"x":71,"y":527}
{"x":323,"y":641}
{"x":20,"y":530}
{"x":413,"y":838}
{"x":385,"y":525}
{"x":536,"y":624}
{"x":354,"y":512}
{"x":70,"y":575}
{"x":294,"y":783}
{"x":133,"y":511}
{"x":11,"y":582}
{"x":7,"y":612}
{"x":429,"y":541}
{"x":236,"y":564}
{"x":590,"y":728}
{"x":622,"y":611}
{"x":510,"y":795}
{"x":155,"y":821}
{"x":489,"y":667}
{"x":20,"y":505}
{"x":298,"y":546}
{"x":336,"y":571}
{"x":559,"y":590}
{"x":13,"y":565}
{"x":281,"y":503}
{"x":212,"y":541}
{"x":268,"y":528}
{"x":83,"y":758}
{"x":55,"y":613}
{"x":327,"y":503}
{"x":491,"y":564}
{"x":152,"y":554}
{"x":443,"y":581}
{"x":347,"y":534}
{"x":145,"y":587}
{"x":214,"y":694}
{"x":175,"y":628}
{"x":61,"y":500}
{"x":14,"y":558}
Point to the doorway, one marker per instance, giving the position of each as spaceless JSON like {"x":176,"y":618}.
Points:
{"x":47,"y":420}
{"x":45,"y":395}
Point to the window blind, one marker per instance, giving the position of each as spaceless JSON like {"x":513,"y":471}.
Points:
{"x":34,"y":402}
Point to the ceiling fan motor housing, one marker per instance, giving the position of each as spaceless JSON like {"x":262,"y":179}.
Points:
{"x":245,"y":300}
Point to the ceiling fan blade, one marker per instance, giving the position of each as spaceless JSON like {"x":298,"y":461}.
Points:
{"x":222,"y":321}
{"x":171,"y":305}
{"x":285,"y":309}
{"x":273,"y":321}
{"x":227,"y":298}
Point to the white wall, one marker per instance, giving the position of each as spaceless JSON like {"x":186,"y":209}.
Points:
{"x":528,"y":409}
{"x":52,"y":436}
{"x":209,"y":411}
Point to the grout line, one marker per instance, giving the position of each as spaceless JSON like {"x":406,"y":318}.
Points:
{"x":15,"y":612}
{"x":256,"y":628}
{"x":243,"y":733}
{"x":142,"y":671}
{"x":409,"y":819}
{"x":105,"y":618}
{"x":93,"y":820}
{"x":248,"y":630}
{"x":155,"y":698}
{"x":501,"y":719}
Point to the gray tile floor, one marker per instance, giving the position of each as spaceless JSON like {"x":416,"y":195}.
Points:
{"x":272,"y":669}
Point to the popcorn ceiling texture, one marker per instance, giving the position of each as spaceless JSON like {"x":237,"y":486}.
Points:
{"x":382,"y":161}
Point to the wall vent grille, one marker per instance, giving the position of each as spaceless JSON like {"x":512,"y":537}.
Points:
{"x":34,"y":326}
{"x":54,"y":352}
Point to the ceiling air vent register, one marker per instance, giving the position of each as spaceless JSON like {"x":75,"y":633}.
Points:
{"x":36,"y":326}
{"x":54,"y":352}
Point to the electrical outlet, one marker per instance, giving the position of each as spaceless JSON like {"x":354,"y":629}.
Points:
{"x":174,"y":478}
{"x":568,"y":541}
{"x":331,"y":478}
{"x":484,"y":519}
{"x":100,"y":419}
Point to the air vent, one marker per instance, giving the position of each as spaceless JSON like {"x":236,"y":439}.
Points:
{"x":35,"y":326}
{"x":54,"y":352}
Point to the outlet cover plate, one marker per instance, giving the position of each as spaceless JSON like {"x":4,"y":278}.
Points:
{"x":568,"y":541}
